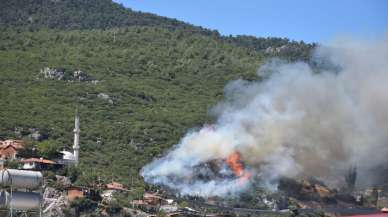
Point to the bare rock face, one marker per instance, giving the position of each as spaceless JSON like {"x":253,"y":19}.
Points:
{"x":106,"y":97}
{"x":61,"y":74}
{"x":283,"y":50}
{"x":63,"y":180}
{"x":32,"y":133}
{"x":18,"y":131}
{"x":80,"y":75}
{"x":35,"y":134}
{"x":51,"y":73}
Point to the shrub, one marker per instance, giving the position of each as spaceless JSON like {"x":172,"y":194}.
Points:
{"x":113,"y":207}
{"x":83,"y":204}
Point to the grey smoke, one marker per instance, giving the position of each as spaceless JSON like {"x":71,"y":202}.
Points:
{"x":295,"y":122}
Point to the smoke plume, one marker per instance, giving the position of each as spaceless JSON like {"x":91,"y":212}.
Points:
{"x":296,"y":122}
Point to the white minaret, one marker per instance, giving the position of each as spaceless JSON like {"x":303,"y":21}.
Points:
{"x":76,"y":138}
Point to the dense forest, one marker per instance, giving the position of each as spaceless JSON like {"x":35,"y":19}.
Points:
{"x":80,"y":14}
{"x":139,"y":81}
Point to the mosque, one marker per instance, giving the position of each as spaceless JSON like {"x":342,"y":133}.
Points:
{"x":73,"y":157}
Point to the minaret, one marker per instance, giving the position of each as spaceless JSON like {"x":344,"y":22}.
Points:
{"x":76,"y":138}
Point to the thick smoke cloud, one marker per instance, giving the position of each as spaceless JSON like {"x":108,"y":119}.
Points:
{"x":296,"y":122}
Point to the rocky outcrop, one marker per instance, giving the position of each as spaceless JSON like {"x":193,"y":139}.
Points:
{"x":54,"y":203}
{"x":275,"y":50}
{"x":106,"y":97}
{"x":63,"y":180}
{"x":51,"y":73}
{"x":31,"y":133}
{"x":80,"y":76}
{"x":65,"y":75}
{"x":35,"y":134}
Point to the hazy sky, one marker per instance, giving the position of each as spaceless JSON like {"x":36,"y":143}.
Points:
{"x":308,"y":20}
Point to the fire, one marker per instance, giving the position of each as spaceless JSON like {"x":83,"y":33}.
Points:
{"x":235,"y":164}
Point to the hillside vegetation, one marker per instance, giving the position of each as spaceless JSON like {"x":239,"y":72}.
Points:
{"x":139,"y":81}
{"x":80,"y":14}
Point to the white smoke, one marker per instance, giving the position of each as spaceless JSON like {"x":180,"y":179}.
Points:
{"x":297,"y":122}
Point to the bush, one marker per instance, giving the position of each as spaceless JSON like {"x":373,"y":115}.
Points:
{"x":70,"y":171}
{"x":11,"y":164}
{"x":49,"y":175}
{"x":83,"y":204}
{"x":113,"y":207}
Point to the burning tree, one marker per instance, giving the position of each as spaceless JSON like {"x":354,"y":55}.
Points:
{"x":235,"y":164}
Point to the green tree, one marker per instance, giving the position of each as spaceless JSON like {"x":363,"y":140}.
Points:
{"x":83,"y":204}
{"x":48,"y":149}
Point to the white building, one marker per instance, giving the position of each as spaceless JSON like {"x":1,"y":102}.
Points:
{"x":68,"y":157}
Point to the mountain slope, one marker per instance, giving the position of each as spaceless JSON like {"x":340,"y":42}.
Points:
{"x":145,"y":88}
{"x":139,"y":81}
{"x":81,"y":14}
{"x":105,"y":14}
{"x":275,"y":47}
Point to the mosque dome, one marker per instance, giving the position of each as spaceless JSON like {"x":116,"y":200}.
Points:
{"x":67,"y":155}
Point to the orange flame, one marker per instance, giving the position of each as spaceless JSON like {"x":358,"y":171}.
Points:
{"x":234,"y":163}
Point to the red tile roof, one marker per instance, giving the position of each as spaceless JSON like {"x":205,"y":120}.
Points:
{"x":8,"y":151}
{"x":37,"y":160}
{"x":8,"y":148}
{"x":115,"y":186}
{"x":17,"y":144}
{"x":72,"y":194}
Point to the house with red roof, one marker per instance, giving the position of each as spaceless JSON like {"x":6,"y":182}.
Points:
{"x":9,"y":148}
{"x":38,"y":164}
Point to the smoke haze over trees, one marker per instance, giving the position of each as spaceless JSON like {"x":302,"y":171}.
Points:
{"x":295,"y":123}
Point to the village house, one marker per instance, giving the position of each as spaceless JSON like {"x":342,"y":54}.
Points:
{"x":73,"y":192}
{"x":110,"y":189}
{"x":9,"y":148}
{"x":153,"y":202}
{"x":38,"y":164}
{"x":115,"y":186}
{"x":155,"y":199}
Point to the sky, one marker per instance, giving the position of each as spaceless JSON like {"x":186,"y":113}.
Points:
{"x":307,"y":20}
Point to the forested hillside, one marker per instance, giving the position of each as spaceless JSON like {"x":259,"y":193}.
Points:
{"x":139,"y":81}
{"x":79,"y":14}
{"x":275,"y":47}
{"x":32,"y":15}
